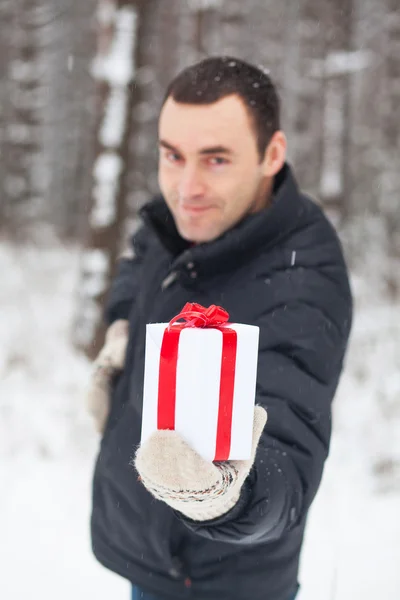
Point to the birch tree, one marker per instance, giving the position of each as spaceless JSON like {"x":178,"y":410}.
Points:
{"x":335,"y":184}
{"x":114,"y":70}
{"x":69,"y":39}
{"x":303,"y":49}
{"x":363,"y":229}
{"x":390,"y":179}
{"x":21,"y":142}
{"x":82,"y":116}
{"x":367,"y":81}
{"x":6,"y":22}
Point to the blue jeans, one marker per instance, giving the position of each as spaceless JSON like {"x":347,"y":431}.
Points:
{"x":138,"y":594}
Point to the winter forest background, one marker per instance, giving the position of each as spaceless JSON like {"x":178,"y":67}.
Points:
{"x":80,"y":89}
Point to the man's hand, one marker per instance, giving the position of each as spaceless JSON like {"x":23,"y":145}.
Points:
{"x":110,"y":360}
{"x":173,"y":472}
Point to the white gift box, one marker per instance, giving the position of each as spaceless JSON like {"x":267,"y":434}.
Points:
{"x":216,"y":422}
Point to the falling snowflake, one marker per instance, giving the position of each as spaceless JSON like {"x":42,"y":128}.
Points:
{"x":264,"y":69}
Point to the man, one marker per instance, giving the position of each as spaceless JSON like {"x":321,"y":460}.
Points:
{"x":232,"y":229}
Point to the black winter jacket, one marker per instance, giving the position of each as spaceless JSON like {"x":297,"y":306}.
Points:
{"x":283,"y":270}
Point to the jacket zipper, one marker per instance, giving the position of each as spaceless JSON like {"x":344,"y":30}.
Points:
{"x":169,"y":280}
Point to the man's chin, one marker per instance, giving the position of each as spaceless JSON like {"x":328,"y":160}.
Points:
{"x":196,"y":235}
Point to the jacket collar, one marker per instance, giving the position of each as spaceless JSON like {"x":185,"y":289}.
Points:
{"x":254,"y":233}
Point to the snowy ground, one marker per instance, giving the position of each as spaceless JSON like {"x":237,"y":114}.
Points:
{"x":47,"y":448}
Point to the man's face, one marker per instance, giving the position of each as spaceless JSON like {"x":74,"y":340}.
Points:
{"x":210,"y":172}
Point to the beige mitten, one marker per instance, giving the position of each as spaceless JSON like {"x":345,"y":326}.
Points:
{"x":175,"y":473}
{"x":110,"y":360}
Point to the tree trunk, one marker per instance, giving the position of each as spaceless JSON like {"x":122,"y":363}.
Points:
{"x":304,"y":90}
{"x":21,"y":118}
{"x":6,"y":23}
{"x":68,"y":125}
{"x":82,"y":144}
{"x":119,"y":29}
{"x":390,"y":180}
{"x":335,"y":172}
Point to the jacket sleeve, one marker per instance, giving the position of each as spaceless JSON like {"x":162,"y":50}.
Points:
{"x":302,"y":346}
{"x":125,"y":285}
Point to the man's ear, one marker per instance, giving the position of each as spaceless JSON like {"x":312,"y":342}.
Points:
{"x":275,"y":154}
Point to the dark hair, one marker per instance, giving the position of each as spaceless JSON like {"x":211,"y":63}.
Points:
{"x":217,"y":77}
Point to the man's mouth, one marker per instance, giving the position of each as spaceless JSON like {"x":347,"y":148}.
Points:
{"x":195,"y":208}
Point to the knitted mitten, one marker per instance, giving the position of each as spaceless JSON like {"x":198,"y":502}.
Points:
{"x":110,"y":360}
{"x":175,"y":473}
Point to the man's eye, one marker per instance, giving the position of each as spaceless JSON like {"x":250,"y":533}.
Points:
{"x":173,"y":156}
{"x":218,"y":160}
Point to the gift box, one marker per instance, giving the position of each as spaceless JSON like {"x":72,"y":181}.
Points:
{"x":200,"y":380}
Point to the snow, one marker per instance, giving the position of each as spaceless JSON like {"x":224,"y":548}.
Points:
{"x":331,"y":174}
{"x":117,"y":66}
{"x":106,"y":13}
{"x":23,"y":71}
{"x":96,"y":260}
{"x":19,"y":133}
{"x":15,"y":185}
{"x":48,"y":445}
{"x":95,"y":269}
{"x":107,"y":167}
{"x":203,"y":5}
{"x":338,"y":63}
{"x":331,"y":184}
{"x":106,"y":172}
{"x":113,"y":125}
{"x":343,"y":62}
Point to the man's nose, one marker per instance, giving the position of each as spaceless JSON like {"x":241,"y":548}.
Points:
{"x":191,"y":184}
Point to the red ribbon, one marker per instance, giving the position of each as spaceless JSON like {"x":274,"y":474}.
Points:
{"x":196,"y":315}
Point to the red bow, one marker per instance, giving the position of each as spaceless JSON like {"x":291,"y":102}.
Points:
{"x":196,"y":315}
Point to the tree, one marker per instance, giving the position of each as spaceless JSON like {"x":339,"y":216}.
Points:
{"x":5,"y":45}
{"x":114,"y":70}
{"x":303,"y":91}
{"x":390,"y":177}
{"x":21,"y":117}
{"x":335,"y":174}
{"x":69,"y":44}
